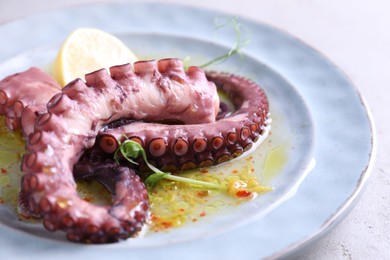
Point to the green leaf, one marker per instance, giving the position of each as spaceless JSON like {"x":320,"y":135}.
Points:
{"x":131,"y":149}
{"x":153,"y":179}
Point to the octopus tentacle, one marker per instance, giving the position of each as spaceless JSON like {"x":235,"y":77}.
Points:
{"x":61,"y":125}
{"x":71,"y":125}
{"x":29,"y":115}
{"x":180,"y":147}
{"x":127,"y":189}
{"x":20,"y":90}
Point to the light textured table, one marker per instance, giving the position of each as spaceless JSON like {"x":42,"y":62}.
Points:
{"x":355,"y":35}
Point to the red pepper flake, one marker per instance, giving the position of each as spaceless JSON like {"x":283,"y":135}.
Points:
{"x":1,"y":201}
{"x":194,"y":219}
{"x":202,"y":214}
{"x":243,"y":193}
{"x":4,"y":171}
{"x":235,"y":171}
{"x":202,"y":193}
{"x":166,"y":225}
{"x":204,"y":171}
{"x":162,"y":224}
{"x":181,"y":210}
{"x":253,"y":170}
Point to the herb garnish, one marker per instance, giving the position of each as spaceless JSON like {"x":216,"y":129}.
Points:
{"x":132,"y":150}
{"x":236,"y":49}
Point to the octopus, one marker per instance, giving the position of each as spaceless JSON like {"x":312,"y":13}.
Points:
{"x":72,"y":133}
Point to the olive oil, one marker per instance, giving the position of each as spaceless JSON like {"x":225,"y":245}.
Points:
{"x":172,"y":204}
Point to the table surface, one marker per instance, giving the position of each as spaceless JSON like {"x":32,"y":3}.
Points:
{"x":353,"y":34}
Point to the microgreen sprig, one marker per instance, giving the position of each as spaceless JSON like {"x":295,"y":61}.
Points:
{"x":131,"y":150}
{"x":236,"y":49}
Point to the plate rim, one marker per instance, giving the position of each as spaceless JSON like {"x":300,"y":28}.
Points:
{"x":348,"y":205}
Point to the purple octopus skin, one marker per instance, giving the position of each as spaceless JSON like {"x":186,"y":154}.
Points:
{"x":125,"y":186}
{"x":181,"y":147}
{"x":185,"y":103}
{"x":172,"y":147}
{"x":70,"y":126}
{"x":19,"y":91}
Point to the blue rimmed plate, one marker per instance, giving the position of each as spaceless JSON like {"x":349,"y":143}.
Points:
{"x":317,"y":111}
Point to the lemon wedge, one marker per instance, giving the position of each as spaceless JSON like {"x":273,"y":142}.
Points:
{"x":86,"y":50}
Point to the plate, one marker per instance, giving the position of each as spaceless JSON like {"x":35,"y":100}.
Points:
{"x":318,"y":114}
